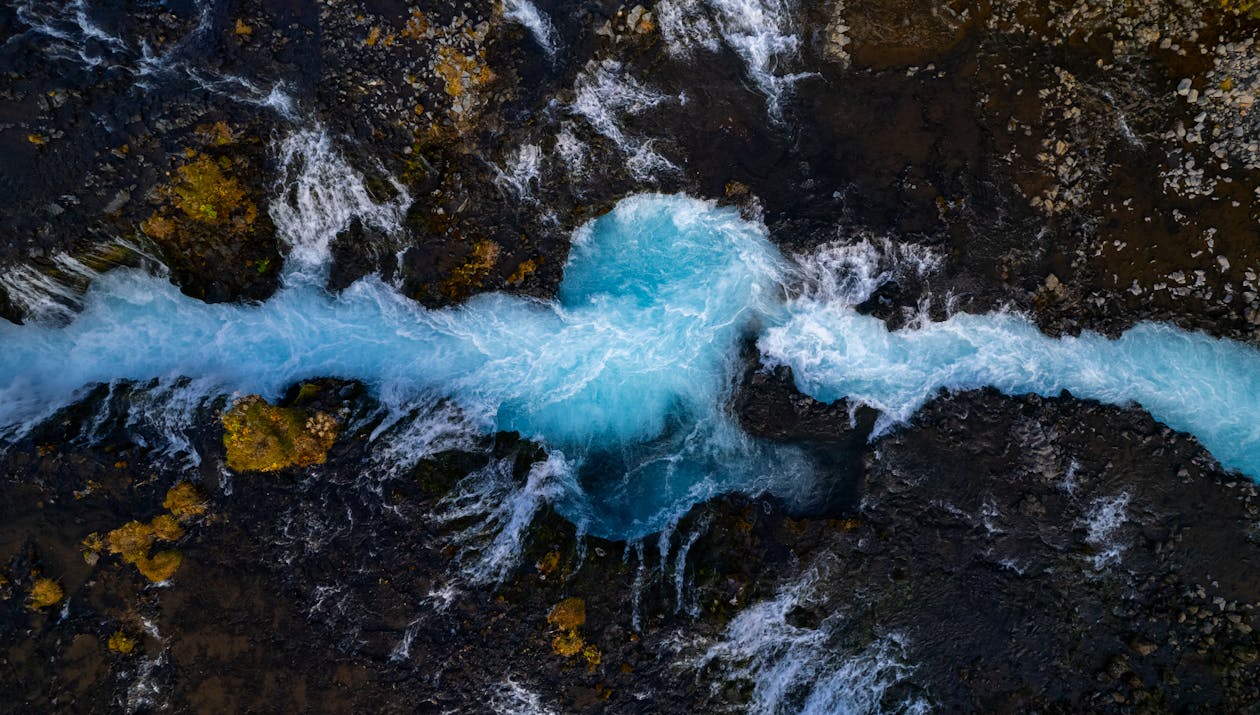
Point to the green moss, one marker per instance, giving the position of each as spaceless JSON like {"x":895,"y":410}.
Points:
{"x":204,"y":192}
{"x":259,"y":437}
{"x":1251,"y":8}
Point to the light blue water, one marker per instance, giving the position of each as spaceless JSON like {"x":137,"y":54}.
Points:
{"x":628,"y":371}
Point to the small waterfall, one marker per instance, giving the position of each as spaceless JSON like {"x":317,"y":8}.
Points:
{"x":521,"y":174}
{"x":53,"y":294}
{"x":680,"y":569}
{"x":513,"y":698}
{"x":761,"y":32}
{"x":501,"y":511}
{"x":319,"y":194}
{"x":240,"y":89}
{"x":538,"y":24}
{"x":603,"y":92}
{"x":67,"y":32}
{"x":1103,"y":522}
{"x":402,"y":652}
{"x":41,"y":297}
{"x":796,"y":669}
{"x":414,"y":428}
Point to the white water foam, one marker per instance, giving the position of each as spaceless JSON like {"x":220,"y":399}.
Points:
{"x":1103,"y":522}
{"x":500,"y":511}
{"x":520,"y":176}
{"x":761,"y":32}
{"x":572,"y":152}
{"x":320,"y":193}
{"x":538,"y":24}
{"x":796,"y":669}
{"x":513,"y":698}
{"x":602,"y":94}
{"x":685,"y":26}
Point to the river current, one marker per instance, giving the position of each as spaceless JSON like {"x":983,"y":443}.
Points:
{"x":626,"y":375}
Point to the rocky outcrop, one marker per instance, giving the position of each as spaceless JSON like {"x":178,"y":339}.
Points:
{"x":1028,"y":553}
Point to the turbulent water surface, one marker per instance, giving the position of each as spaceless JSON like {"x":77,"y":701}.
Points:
{"x":626,"y":374}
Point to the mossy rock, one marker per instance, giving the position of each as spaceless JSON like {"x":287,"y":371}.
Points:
{"x":208,"y":227}
{"x":161,"y":567}
{"x":184,"y":501}
{"x":46,"y":592}
{"x":260,"y":437}
{"x":568,"y":615}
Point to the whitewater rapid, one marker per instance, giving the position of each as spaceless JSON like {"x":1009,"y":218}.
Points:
{"x":627,"y":374}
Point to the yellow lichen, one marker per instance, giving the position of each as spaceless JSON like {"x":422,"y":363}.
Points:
{"x":549,"y":563}
{"x":131,"y":541}
{"x":121,"y":643}
{"x":568,"y":615}
{"x":46,"y":592}
{"x":567,"y":644}
{"x":166,"y":528}
{"x":526,"y":268}
{"x":259,"y":437}
{"x":373,"y":35}
{"x":472,"y":272}
{"x":243,"y":30}
{"x":184,"y":501}
{"x":417,"y":26}
{"x":161,"y":567}
{"x":459,"y":72}
{"x":158,"y":226}
{"x":36,"y":139}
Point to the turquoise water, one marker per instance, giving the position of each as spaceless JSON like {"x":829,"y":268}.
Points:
{"x":628,"y":371}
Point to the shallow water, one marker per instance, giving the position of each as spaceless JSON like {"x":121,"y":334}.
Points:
{"x":625,"y":376}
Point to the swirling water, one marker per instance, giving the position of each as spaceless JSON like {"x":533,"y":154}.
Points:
{"x":625,"y":376}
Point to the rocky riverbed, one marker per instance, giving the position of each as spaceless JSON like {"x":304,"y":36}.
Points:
{"x":1090,"y":164}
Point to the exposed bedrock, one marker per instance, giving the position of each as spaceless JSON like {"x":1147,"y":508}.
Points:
{"x":1023,"y":552}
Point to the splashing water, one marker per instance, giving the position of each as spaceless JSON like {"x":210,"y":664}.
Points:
{"x":760,"y":32}
{"x":797,"y":669}
{"x":319,"y":195}
{"x":603,"y":94}
{"x":627,"y":373}
{"x":538,"y":24}
{"x":521,"y":175}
